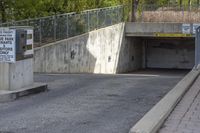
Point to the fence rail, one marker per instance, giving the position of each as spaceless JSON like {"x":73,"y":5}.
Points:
{"x":54,"y":28}
{"x":168,"y":13}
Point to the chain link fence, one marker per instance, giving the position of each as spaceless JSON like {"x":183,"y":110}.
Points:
{"x":54,"y":28}
{"x":168,"y":13}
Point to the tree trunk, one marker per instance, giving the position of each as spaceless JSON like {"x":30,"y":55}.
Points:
{"x":189,"y":4}
{"x":181,"y":3}
{"x":134,"y":10}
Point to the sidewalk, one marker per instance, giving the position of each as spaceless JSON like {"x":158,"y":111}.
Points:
{"x":186,"y":116}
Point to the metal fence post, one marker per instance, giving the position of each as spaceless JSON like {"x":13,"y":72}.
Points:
{"x":197,"y":48}
{"x":123,"y":13}
{"x":142,"y":12}
{"x":105,"y":19}
{"x":27,"y":22}
{"x":40,"y":30}
{"x":67,"y":25}
{"x":189,"y":13}
{"x":88,"y":19}
{"x":163,"y":14}
{"x":54,"y":27}
{"x":118,"y":14}
{"x":97,"y":19}
{"x":182,"y":9}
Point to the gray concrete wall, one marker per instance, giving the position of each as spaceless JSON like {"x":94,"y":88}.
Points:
{"x":100,"y":51}
{"x":130,"y":55}
{"x":4,"y":76}
{"x":178,"y":51}
{"x":149,"y":29}
{"x":170,"y":53}
{"x":110,"y":51}
{"x":17,"y":75}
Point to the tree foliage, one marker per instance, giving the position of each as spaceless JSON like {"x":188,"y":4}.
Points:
{"x":24,"y":9}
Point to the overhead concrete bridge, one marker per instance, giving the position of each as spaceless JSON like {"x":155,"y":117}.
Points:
{"x":121,"y":48}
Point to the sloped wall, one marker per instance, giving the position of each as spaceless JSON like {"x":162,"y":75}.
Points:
{"x":100,"y":51}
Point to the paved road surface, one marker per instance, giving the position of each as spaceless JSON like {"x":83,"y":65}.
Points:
{"x":87,"y":103}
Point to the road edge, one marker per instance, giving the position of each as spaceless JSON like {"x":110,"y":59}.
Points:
{"x":8,"y":96}
{"x":153,"y":120}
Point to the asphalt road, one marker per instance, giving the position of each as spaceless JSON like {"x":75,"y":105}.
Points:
{"x":87,"y":103}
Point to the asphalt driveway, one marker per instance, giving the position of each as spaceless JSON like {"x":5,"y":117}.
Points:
{"x":87,"y":103}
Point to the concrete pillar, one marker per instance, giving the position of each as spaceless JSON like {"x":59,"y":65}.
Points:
{"x":14,"y":76}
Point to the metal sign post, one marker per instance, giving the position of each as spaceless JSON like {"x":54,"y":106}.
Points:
{"x":197,"y":48}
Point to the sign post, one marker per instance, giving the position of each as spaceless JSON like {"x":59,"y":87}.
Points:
{"x":197,"y":48}
{"x":195,"y":26}
{"x":7,"y":45}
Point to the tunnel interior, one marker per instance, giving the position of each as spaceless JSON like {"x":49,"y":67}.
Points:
{"x":165,"y":52}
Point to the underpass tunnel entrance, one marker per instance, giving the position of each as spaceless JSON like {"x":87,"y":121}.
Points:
{"x":169,"y":53}
{"x":159,"y":53}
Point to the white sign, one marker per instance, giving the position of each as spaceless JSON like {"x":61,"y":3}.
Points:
{"x":7,"y":45}
{"x":186,"y":29}
{"x":29,"y":42}
{"x":195,"y":26}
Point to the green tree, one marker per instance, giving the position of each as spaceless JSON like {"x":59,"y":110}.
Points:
{"x":24,"y":9}
{"x":6,"y":6}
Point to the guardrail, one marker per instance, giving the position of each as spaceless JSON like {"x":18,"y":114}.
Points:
{"x":54,"y":28}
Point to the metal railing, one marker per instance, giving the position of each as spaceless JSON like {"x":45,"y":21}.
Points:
{"x":54,"y":28}
{"x":168,"y":13}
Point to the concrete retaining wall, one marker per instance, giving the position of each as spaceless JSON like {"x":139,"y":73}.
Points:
{"x":102,"y":51}
{"x":130,"y":55}
{"x":170,"y":53}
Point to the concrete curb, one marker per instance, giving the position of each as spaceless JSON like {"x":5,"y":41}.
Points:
{"x":7,"y":96}
{"x":154,"y":119}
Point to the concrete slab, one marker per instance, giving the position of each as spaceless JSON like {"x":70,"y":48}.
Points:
{"x":7,"y":96}
{"x":154,"y":119}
